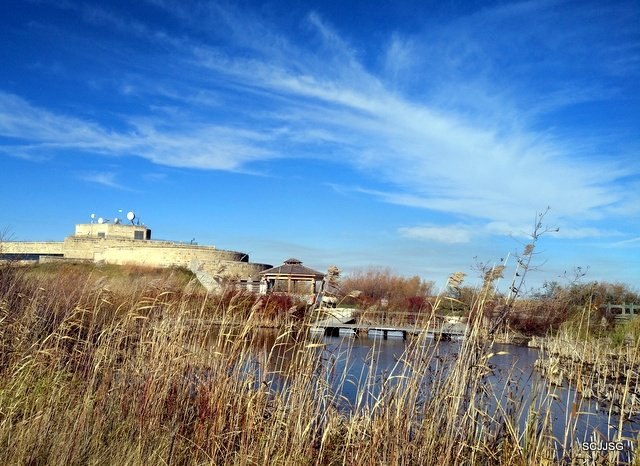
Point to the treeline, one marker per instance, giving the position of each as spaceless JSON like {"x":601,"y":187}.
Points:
{"x":572,"y":294}
{"x":555,"y":304}
{"x":536,"y":312}
{"x":375,"y":286}
{"x":587,"y":293}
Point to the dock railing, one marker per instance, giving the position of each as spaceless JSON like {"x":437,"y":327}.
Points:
{"x":414,"y":318}
{"x":423,"y":318}
{"x":622,"y":312}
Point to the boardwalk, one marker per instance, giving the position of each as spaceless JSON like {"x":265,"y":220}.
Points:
{"x":334,"y":317}
{"x":341,"y":322}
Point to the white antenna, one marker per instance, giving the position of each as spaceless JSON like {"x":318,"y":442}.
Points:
{"x":100,"y":220}
{"x":131,"y":216}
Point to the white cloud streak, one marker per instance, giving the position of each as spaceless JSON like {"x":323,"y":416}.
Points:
{"x":628,"y":243}
{"x":34,"y":131}
{"x":434,"y":157}
{"x":454,"y":234}
{"x":107,"y":179}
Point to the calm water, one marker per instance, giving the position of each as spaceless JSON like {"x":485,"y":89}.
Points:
{"x":349,"y":362}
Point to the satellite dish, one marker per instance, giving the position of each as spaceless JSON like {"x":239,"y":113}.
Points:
{"x":131,"y":216}
{"x":116,"y":220}
{"x":93,"y":216}
{"x":100,"y":220}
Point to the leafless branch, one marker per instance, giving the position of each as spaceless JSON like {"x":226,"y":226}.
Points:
{"x":523,"y":266}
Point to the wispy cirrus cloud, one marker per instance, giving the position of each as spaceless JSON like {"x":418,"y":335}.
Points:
{"x":30,"y":131}
{"x":453,"y":234}
{"x":465,"y":233}
{"x":154,"y":176}
{"x":441,"y":159}
{"x":560,"y":231}
{"x":108,"y":179}
{"x":463,"y":146}
{"x":627,"y":243}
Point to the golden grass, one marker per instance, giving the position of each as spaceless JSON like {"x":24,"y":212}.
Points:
{"x":91,"y":375}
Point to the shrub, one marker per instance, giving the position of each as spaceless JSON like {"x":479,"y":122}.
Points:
{"x":273,"y":304}
{"x":376,"y":284}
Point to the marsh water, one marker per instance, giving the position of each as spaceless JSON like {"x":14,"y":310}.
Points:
{"x":357,"y":368}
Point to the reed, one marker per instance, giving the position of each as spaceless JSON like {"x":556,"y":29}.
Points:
{"x":597,"y":364}
{"x":97,"y":375}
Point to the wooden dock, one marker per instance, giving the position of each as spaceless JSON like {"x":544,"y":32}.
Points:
{"x":341,"y":323}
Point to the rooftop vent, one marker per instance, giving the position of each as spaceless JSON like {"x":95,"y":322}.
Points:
{"x":293,"y":261}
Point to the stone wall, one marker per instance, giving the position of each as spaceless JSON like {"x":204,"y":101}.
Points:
{"x":161,"y":253}
{"x":81,"y":249}
{"x":120,"y":251}
{"x":234,"y":269}
{"x":31,"y":247}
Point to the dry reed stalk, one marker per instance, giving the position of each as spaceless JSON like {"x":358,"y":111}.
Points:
{"x":94,"y":376}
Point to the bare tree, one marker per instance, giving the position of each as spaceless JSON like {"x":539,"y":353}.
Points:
{"x":523,"y":266}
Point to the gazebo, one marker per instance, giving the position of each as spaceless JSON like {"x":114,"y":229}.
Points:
{"x":291,"y":277}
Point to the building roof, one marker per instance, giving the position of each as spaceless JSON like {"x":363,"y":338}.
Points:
{"x":293,"y":267}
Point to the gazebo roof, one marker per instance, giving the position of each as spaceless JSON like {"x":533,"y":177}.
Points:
{"x":292,"y":268}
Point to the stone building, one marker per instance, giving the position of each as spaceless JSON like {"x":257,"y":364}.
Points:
{"x":118,"y":243}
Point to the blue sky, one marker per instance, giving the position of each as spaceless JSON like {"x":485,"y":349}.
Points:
{"x":418,"y":135}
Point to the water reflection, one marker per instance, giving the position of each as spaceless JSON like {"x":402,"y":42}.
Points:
{"x":357,"y":369}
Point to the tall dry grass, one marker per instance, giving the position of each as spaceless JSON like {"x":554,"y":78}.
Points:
{"x":601,"y":365}
{"x":91,"y":375}
{"x":376,"y":284}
